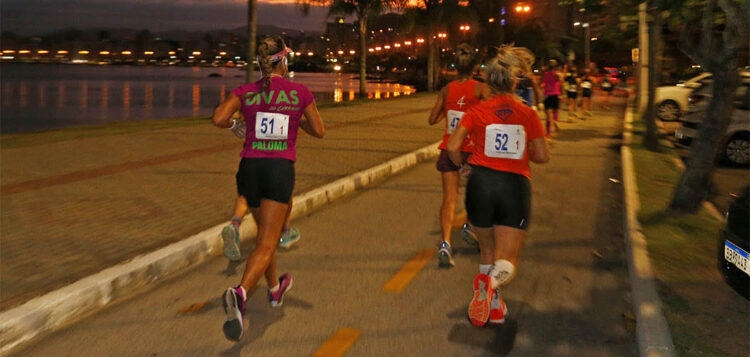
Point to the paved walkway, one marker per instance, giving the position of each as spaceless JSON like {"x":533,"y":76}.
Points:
{"x":568,"y":299}
{"x":73,"y":208}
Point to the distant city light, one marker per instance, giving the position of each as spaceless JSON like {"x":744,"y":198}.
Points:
{"x":42,"y":52}
{"x":576,"y":23}
{"x":23,"y":52}
{"x":585,"y":24}
{"x":378,"y":48}
{"x":62,"y":52}
{"x":222,"y":53}
{"x":310,"y":53}
{"x":172,"y":53}
{"x":337,"y":68}
{"x":420,"y":40}
{"x":371,"y":50}
{"x":341,"y":52}
{"x":351,"y":52}
{"x":387,"y":47}
{"x":196,"y":53}
{"x":104,"y":53}
{"x":464,"y":27}
{"x":148,"y":53}
{"x":594,"y":38}
{"x":298,"y":53}
{"x":502,"y":22}
{"x":83,"y":52}
{"x":492,"y":19}
{"x":127,"y":53}
{"x":407,"y":43}
{"x":397,"y":45}
{"x":9,"y":51}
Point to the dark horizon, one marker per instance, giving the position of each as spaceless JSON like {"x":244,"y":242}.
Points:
{"x":40,"y":17}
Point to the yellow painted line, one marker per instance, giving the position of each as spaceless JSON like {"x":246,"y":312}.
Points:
{"x":337,"y":345}
{"x":399,"y":281}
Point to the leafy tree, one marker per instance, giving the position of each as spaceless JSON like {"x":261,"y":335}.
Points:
{"x":717,"y":48}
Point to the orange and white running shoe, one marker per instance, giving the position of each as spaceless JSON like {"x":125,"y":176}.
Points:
{"x":479,"y":308}
{"x":497,"y":316}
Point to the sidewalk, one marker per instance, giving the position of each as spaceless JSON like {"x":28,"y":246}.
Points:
{"x":568,"y":299}
{"x":73,"y":208}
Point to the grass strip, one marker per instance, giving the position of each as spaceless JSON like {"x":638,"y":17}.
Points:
{"x":681,"y":248}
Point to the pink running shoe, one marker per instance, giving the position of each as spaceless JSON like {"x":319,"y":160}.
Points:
{"x":479,"y":308}
{"x":234,"y":308}
{"x":285,"y":284}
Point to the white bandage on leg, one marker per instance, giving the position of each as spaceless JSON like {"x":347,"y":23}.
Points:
{"x":502,"y":273}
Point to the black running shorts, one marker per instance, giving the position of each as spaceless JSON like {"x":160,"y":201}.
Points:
{"x":572,"y":95}
{"x":269,"y":178}
{"x":444,"y":163}
{"x":498,"y":198}
{"x":551,"y":102}
{"x":586,"y":92}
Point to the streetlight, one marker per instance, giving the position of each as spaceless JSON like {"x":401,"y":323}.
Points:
{"x":523,"y":7}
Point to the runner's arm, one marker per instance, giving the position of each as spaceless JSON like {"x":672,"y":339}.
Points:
{"x":538,"y":151}
{"x":223,"y":113}
{"x":437,"y":110}
{"x":454,"y":145}
{"x":312,"y":123}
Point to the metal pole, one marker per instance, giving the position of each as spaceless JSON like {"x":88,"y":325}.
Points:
{"x":643,"y":57}
{"x":252,"y":28}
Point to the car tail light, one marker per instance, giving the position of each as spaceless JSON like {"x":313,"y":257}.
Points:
{"x":695,"y":98}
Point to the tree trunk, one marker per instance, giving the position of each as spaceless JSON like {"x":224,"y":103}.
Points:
{"x":651,"y":138}
{"x":430,"y":63}
{"x":363,"y":56}
{"x":252,"y":28}
{"x":695,"y":183}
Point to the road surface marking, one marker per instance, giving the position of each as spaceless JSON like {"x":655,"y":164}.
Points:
{"x":338,"y":344}
{"x":399,"y":281}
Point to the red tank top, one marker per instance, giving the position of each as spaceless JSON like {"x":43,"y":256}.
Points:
{"x":459,"y":99}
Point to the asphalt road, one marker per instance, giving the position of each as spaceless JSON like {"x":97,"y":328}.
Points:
{"x":569,"y":297}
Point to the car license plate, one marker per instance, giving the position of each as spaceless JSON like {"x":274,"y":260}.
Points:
{"x":736,"y":256}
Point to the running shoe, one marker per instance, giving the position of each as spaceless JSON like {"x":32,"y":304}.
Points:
{"x":468,"y":235}
{"x":289,"y":237}
{"x":285,"y":284}
{"x":479,"y":308}
{"x":234,"y":308}
{"x":445,"y":255}
{"x":497,"y":315}
{"x":231,"y":236}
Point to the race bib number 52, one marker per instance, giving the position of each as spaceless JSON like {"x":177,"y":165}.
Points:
{"x":454,"y":117}
{"x":271,"y":126}
{"x":505,"y":141}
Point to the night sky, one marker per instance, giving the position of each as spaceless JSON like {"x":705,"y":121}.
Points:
{"x":35,"y":17}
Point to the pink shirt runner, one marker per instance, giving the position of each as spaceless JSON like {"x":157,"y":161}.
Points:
{"x":551,"y":84}
{"x":272,"y":117}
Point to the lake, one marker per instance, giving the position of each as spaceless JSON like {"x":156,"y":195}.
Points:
{"x":38,"y":97}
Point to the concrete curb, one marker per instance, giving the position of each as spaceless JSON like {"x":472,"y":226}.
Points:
{"x":60,"y":307}
{"x":652,"y":330}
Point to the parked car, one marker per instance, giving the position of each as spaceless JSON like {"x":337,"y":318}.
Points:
{"x":734,"y":245}
{"x":672,"y":101}
{"x":735,"y":144}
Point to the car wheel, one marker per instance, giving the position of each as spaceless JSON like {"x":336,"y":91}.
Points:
{"x":737,"y":150}
{"x":668,"y":111}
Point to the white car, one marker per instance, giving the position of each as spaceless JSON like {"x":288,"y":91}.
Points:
{"x":735,"y":144}
{"x":672,"y":101}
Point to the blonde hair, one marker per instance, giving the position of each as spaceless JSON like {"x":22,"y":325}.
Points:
{"x":268,"y":46}
{"x":466,"y":59}
{"x":504,"y":69}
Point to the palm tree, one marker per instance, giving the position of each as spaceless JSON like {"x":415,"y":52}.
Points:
{"x":365,"y":11}
{"x":252,"y":27}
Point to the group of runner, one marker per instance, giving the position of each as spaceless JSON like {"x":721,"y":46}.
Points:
{"x":491,"y":135}
{"x":555,"y":81}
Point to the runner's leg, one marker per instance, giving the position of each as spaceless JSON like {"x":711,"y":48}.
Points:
{"x":271,"y":220}
{"x":448,"y":208}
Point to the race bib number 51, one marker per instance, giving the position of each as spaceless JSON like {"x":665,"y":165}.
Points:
{"x":454,"y":117}
{"x":271,"y":126}
{"x":505,"y":141}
